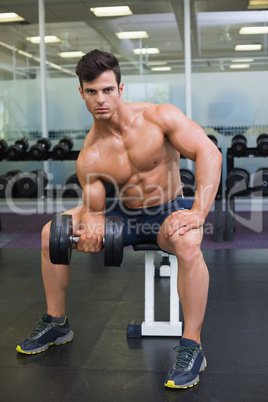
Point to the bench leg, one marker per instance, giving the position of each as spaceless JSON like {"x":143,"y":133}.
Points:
{"x":150,"y":327}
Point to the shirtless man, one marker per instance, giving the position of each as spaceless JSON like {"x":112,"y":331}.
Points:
{"x":137,"y":146}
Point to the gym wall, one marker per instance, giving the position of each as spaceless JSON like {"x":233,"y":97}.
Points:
{"x":218,"y":99}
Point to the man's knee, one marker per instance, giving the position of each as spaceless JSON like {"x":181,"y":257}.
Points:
{"x":187,"y":246}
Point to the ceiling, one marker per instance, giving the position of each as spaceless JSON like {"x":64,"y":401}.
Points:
{"x":214,"y":36}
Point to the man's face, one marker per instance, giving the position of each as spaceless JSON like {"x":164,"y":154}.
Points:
{"x":102,"y":95}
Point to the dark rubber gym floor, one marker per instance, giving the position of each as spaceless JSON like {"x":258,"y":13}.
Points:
{"x":101,"y":364}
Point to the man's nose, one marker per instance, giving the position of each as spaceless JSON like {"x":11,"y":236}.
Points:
{"x":100,"y":98}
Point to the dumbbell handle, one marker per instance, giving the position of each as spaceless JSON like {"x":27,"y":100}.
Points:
{"x":74,"y":239}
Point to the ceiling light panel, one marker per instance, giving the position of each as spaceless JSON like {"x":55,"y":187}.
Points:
{"x":149,"y":50}
{"x":253,"y":30}
{"x":161,"y":68}
{"x":242,"y":60}
{"x":257,"y":4}
{"x":132,"y":35}
{"x":66,"y":55}
{"x":238,"y":66}
{"x":111,"y":11}
{"x":48,"y":39}
{"x":10,"y":17}
{"x":241,"y":48}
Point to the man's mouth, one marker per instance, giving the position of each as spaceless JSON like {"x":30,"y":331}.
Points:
{"x":101,"y":109}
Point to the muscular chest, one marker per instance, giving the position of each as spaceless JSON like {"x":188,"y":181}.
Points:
{"x":139,"y":151}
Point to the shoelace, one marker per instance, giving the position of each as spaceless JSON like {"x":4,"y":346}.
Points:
{"x":184,"y":356}
{"x":41,"y":326}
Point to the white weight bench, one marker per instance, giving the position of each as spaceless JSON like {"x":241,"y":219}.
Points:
{"x":168,"y":268}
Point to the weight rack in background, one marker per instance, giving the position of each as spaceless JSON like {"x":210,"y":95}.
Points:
{"x":41,"y":151}
{"x":238,"y":179}
{"x":33,"y":184}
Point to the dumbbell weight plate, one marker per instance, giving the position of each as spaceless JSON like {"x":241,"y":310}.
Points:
{"x":3,"y":146}
{"x":114,"y":241}
{"x":62,"y":149}
{"x":239,"y":144}
{"x":7,"y":183}
{"x":38,"y":150}
{"x":41,"y":177}
{"x":187,"y":181}
{"x":72,"y":187}
{"x":238,"y":179}
{"x":30,"y":183}
{"x":45,"y":142}
{"x":262,"y":144}
{"x":187,"y":177}
{"x":260,"y":181}
{"x":68,"y":141}
{"x":23,"y":143}
{"x":60,"y":246}
{"x":60,"y":241}
{"x":26,"y":185}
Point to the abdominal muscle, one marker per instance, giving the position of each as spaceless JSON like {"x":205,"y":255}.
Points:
{"x":145,"y":189}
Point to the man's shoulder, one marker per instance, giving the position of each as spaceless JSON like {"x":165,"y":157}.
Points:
{"x":158,"y":113}
{"x":88,"y":157}
{"x":151,"y":110}
{"x":139,"y":107}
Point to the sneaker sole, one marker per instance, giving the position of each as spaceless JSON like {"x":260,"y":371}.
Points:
{"x":171,"y":384}
{"x":59,"y":341}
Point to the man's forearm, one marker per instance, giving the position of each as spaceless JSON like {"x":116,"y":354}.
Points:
{"x":93,"y":222}
{"x":207,"y":176}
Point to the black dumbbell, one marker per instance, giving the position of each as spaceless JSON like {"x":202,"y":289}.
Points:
{"x":3,"y":147}
{"x":61,"y":240}
{"x":187,"y":181}
{"x":213,"y":139}
{"x":260,"y":180}
{"x":237,"y":180}
{"x":62,"y":149}
{"x":239,"y":144}
{"x":7,"y":183}
{"x":16,"y":150}
{"x":39,"y":150}
{"x":29,"y":184}
{"x":72,"y":187}
{"x":262,"y":144}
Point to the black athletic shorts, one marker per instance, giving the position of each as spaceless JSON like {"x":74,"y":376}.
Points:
{"x":142,"y":224}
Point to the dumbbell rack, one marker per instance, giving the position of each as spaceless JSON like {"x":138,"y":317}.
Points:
{"x":26,"y":157}
{"x":230,"y":199}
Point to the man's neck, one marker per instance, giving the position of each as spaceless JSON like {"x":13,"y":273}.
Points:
{"x":117,"y":123}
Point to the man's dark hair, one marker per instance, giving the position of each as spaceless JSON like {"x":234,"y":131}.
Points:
{"x":96,"y":62}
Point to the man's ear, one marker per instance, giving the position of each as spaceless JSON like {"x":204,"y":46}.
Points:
{"x":81,"y":92}
{"x":121,"y":87}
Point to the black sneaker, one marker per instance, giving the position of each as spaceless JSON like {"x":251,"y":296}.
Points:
{"x":47,"y":333}
{"x":190,"y":361}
